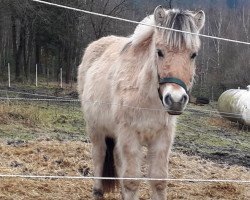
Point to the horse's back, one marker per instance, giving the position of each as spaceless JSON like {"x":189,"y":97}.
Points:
{"x":95,"y":79}
{"x":93,"y":53}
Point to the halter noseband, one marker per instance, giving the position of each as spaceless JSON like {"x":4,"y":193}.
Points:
{"x":171,"y":80}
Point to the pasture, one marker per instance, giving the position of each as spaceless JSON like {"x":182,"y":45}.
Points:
{"x":145,"y":80}
{"x":48,"y":138}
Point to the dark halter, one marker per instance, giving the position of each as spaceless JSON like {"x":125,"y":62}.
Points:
{"x":171,"y":80}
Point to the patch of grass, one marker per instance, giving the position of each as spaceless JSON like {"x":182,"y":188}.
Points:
{"x":28,"y":120}
{"x":205,"y":133}
{"x":19,"y":113}
{"x":198,"y":132}
{"x":51,"y":88}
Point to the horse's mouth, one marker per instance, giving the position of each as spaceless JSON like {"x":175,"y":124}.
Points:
{"x":175,"y":112}
{"x":175,"y":109}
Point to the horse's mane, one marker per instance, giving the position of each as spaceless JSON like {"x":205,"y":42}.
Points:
{"x":176,"y":19}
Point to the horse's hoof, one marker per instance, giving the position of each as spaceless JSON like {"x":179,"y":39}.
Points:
{"x":98,"y":194}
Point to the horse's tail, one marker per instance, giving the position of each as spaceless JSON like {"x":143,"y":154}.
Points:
{"x":109,"y":169}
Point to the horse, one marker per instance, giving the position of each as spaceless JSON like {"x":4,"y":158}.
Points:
{"x":131,"y":90}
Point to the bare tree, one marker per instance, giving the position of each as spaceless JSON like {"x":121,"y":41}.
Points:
{"x":170,"y":3}
{"x":108,"y":7}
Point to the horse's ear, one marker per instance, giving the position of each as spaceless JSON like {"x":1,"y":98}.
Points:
{"x":159,"y":15}
{"x":199,"y":19}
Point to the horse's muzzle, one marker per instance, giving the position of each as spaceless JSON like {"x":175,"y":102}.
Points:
{"x":175,"y":107}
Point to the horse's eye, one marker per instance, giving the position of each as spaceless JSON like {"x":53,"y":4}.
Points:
{"x":160,"y":54}
{"x":193,"y":55}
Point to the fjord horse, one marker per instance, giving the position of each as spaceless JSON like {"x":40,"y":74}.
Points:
{"x":131,"y":89}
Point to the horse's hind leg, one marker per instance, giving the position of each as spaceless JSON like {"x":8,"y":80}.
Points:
{"x":98,"y":155}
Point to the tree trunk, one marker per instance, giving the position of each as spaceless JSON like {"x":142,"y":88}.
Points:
{"x":29,"y":44}
{"x":13,"y":20}
{"x":67,"y":61}
{"x":17,"y":49}
{"x":38,"y":55}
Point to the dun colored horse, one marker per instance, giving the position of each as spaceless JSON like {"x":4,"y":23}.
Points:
{"x":131,"y":89}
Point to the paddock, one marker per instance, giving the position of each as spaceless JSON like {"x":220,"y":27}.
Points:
{"x":59,"y":150}
{"x":45,"y":154}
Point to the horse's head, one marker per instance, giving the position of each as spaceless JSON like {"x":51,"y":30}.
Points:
{"x":175,"y":54}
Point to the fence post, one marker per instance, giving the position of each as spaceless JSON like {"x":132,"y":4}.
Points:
{"x":36,"y":75}
{"x":47,"y":76}
{"x":212,"y":94}
{"x":61,"y":77}
{"x":9,"y":74}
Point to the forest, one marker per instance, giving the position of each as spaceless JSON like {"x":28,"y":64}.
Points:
{"x":52,"y":38}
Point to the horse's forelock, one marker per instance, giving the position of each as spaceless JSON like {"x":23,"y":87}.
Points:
{"x":176,"y":19}
{"x":184,"y":21}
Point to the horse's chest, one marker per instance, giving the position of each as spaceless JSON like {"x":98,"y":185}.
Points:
{"x":149,"y":125}
{"x":145,"y":136}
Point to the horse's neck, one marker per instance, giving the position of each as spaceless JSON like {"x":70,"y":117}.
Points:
{"x":148,"y":79}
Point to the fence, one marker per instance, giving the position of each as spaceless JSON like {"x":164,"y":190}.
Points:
{"x":56,"y":99}
{"x":36,"y":76}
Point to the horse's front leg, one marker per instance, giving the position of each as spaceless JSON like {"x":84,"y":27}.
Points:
{"x":130,"y":154}
{"x":98,"y":155}
{"x":158,"y":165}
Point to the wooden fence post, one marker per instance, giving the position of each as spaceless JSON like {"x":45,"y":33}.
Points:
{"x":36,"y":75}
{"x":61,"y":77}
{"x":9,"y":74}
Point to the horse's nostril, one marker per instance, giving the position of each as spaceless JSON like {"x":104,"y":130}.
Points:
{"x":168,"y":99}
{"x":184,"y":99}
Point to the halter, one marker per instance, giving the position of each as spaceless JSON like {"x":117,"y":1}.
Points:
{"x":170,"y":80}
{"x":173,"y":80}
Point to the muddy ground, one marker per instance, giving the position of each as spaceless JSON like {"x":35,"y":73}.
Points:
{"x":208,"y":135}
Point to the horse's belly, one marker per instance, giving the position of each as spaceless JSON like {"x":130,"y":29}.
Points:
{"x":97,"y":116}
{"x":96,"y":102}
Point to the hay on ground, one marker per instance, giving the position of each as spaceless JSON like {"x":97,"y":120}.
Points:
{"x":74,"y":159}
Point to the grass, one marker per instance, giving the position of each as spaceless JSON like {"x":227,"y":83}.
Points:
{"x":51,"y":88}
{"x":29,"y":120}
{"x":208,"y":135}
{"x":198,"y":133}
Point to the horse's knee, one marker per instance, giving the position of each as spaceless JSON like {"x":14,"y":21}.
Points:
{"x":131,"y":185}
{"x":158,"y":185}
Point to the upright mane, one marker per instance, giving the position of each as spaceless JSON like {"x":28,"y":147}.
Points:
{"x":183,"y":20}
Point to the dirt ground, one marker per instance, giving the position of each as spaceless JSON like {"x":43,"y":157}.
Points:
{"x":73,"y":158}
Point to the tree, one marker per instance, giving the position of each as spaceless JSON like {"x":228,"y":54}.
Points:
{"x":107,"y":7}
